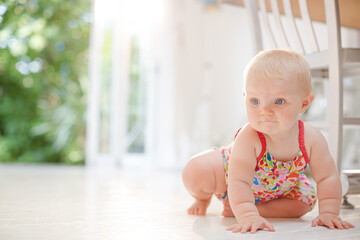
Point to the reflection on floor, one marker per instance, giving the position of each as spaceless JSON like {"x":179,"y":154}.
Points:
{"x":58,"y":202}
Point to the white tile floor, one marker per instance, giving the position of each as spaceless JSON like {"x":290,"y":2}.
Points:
{"x":59,"y":202}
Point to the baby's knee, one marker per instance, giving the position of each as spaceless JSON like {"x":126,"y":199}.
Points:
{"x":197,"y":173}
{"x":301,"y":209}
{"x":192,"y":169}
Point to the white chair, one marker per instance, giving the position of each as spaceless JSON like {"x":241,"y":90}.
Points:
{"x":332,"y":64}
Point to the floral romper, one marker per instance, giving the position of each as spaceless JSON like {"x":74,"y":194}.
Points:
{"x":273,"y":179}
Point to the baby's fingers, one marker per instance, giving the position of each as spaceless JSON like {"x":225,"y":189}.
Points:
{"x":255,"y":227}
{"x":231,"y":227}
{"x":235,"y":228}
{"x":329,"y":224}
{"x":344,"y":224}
{"x":348,"y":225}
{"x":315,"y":222}
{"x":269,"y":226}
{"x":246,"y":228}
{"x":337,"y":224}
{"x":266,"y":224}
{"x":243,"y":228}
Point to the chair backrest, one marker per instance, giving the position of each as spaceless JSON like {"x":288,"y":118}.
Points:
{"x":282,"y":28}
{"x":324,"y":64}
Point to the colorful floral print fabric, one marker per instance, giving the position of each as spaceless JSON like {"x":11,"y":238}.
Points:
{"x":274,"y":179}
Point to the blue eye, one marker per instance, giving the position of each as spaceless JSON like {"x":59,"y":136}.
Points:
{"x":280,"y":101}
{"x":254,"y":101}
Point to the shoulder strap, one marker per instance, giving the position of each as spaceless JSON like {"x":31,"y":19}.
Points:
{"x":237,"y":133}
{"x":302,"y":141}
{"x":263,"y":145}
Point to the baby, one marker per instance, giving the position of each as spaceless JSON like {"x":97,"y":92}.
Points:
{"x":261,"y":173}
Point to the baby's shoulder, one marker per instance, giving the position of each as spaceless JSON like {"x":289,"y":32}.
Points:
{"x":247,"y":135}
{"x":317,"y":147}
{"x":246,"y":131}
{"x":313,"y":135}
{"x":247,"y":143}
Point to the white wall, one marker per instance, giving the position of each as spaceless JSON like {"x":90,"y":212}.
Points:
{"x":194,"y":61}
{"x":210,"y":50}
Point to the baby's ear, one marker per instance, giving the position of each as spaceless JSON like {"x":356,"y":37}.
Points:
{"x":306,"y":102}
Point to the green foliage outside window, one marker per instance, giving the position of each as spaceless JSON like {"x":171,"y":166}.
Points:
{"x":137,"y":101}
{"x":43,"y":80}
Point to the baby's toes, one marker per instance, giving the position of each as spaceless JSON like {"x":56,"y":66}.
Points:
{"x":201,"y":211}
{"x":191,"y":211}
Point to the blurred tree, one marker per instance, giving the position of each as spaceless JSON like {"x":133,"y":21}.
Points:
{"x":43,"y":80}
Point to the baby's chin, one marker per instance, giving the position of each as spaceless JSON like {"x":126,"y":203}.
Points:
{"x":267,"y":127}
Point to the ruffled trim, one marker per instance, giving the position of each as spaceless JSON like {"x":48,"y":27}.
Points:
{"x":302,"y":141}
{"x":263,"y":145}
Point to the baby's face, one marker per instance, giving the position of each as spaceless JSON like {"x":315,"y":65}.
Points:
{"x":273,"y":105}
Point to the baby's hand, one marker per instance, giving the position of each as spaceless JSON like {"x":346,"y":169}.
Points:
{"x":251,"y":224}
{"x":331,"y":221}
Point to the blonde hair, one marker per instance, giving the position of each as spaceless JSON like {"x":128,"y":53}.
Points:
{"x":280,"y":63}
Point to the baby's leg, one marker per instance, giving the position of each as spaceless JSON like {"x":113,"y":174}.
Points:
{"x":297,"y":203}
{"x":203,"y":176}
{"x":227,"y":212}
{"x":283,"y":208}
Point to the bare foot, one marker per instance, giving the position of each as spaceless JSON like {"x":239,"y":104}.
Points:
{"x":199,"y":207}
{"x":227,"y":209}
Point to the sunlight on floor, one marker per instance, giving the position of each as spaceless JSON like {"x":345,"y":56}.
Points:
{"x":61,"y":202}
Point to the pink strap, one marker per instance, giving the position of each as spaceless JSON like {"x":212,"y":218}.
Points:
{"x":302,"y":141}
{"x":237,"y":133}
{"x":263,"y":144}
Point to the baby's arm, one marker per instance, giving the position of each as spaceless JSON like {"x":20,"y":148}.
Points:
{"x":241,"y":176}
{"x":328,"y":182}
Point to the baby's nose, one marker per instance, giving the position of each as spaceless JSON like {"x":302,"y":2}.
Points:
{"x":267,"y":110}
